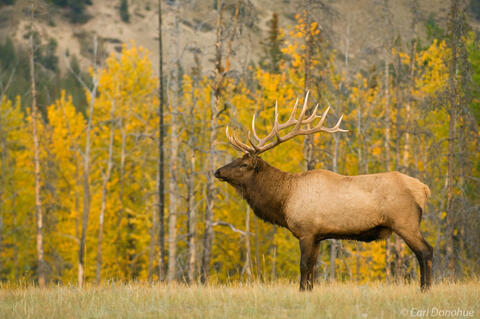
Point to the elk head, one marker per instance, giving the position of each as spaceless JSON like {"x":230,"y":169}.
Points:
{"x":239,"y":171}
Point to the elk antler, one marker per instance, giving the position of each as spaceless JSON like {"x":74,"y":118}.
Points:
{"x":266,"y":143}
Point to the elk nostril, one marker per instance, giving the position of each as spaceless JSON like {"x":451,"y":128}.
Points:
{"x":217,"y":173}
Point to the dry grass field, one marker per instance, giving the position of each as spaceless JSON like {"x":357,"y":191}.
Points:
{"x":281,"y":300}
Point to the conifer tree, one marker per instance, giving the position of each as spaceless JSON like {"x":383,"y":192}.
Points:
{"x":124,"y":15}
{"x":272,"y":46}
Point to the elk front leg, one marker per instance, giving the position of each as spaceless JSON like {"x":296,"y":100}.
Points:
{"x":308,"y":259}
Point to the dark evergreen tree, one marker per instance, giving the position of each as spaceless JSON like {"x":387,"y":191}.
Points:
{"x":71,"y":84}
{"x":16,"y":72}
{"x":272,"y":47}
{"x":76,"y":11}
{"x":48,"y":58}
{"x":124,"y":15}
{"x":7,"y":2}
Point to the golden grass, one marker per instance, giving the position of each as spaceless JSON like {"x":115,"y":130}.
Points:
{"x":281,"y":300}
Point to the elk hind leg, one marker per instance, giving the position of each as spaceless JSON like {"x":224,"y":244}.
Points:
{"x":424,"y":253}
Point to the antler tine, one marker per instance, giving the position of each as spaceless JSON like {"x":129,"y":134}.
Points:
{"x":304,"y":110}
{"x":313,"y":116}
{"x":275,"y":124}
{"x":253,"y":128}
{"x":243,"y":145}
{"x":233,"y":142}
{"x":252,"y":142}
{"x":324,"y":116}
{"x":336,"y":128}
{"x":272,"y":133}
{"x":291,"y":119}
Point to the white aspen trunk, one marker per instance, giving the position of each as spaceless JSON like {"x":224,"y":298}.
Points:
{"x":247,"y":266}
{"x":103,"y":205}
{"x":173,"y":199}
{"x":153,"y":231}
{"x":192,"y":207}
{"x":85,"y":178}
{"x":387,"y":115}
{"x":192,"y":220}
{"x":406,"y":148}
{"x":161,"y":164}
{"x":333,"y":242}
{"x":86,"y":200}
{"x":172,"y":185}
{"x":257,"y":250}
{"x":208,"y":235}
{"x":274,"y":263}
{"x":129,"y":259}
{"x":3,"y":150}
{"x":86,"y":193}
{"x":41,"y":267}
{"x":212,"y":158}
{"x":388,"y":273}
{"x":308,"y":146}
{"x":358,"y":246}
{"x":4,"y":155}
{"x":452,"y":138}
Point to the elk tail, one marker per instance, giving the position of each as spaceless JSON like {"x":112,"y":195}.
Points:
{"x":427,"y":191}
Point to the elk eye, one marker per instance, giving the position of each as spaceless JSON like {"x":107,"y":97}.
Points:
{"x":243,"y":165}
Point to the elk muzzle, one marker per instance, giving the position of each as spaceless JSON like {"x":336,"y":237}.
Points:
{"x":218,"y":175}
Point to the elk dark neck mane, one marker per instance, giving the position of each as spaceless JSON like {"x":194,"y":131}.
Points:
{"x":266,"y":193}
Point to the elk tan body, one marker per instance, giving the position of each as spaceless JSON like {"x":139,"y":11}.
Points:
{"x":320,"y":204}
{"x":338,"y":206}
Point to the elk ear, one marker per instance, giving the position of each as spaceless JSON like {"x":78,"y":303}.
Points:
{"x":247,"y":155}
{"x":256,"y":162}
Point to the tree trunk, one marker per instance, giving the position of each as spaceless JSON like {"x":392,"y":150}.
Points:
{"x":86,"y":192}
{"x":86,"y":203}
{"x":191,"y":220}
{"x":257,"y":249}
{"x":398,"y":244}
{"x":103,"y":205}
{"x":387,"y":154}
{"x":172,"y":185}
{"x":85,"y":178}
{"x":153,"y":231}
{"x":41,"y":267}
{"x":333,"y":242}
{"x":452,"y":136}
{"x":387,"y":115}
{"x":161,"y":164}
{"x":309,"y":139}
{"x":208,"y":234}
{"x":129,"y":270}
{"x":274,"y":263}
{"x":212,"y":158}
{"x":3,"y":158}
{"x":361,"y":170}
{"x":247,"y":267}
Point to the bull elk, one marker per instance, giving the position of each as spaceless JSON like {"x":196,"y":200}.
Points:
{"x":321,"y":204}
